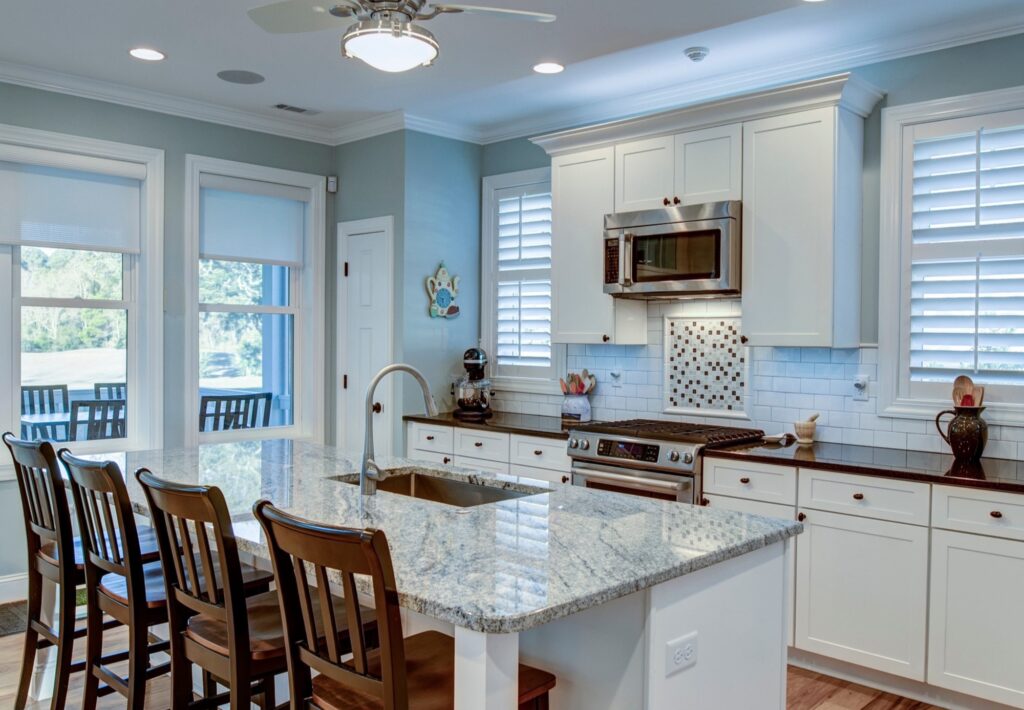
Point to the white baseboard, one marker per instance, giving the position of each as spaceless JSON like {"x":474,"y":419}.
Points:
{"x":896,"y":685}
{"x":13,"y":587}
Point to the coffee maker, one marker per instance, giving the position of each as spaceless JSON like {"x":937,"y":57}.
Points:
{"x":473,"y":391}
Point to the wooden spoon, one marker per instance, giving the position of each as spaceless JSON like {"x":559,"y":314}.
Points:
{"x":979,"y":396}
{"x":963,"y":384}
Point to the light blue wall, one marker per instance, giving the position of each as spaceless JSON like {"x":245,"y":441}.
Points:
{"x":511,"y":156}
{"x":178,"y":137}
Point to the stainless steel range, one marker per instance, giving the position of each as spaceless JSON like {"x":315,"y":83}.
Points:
{"x":649,"y":458}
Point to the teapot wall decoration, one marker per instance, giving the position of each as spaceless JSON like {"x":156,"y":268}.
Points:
{"x":442,"y":289}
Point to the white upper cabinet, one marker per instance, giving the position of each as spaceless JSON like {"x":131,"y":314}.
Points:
{"x":644,"y":174}
{"x":801,"y":229}
{"x":709,"y":165}
{"x":582,"y":193}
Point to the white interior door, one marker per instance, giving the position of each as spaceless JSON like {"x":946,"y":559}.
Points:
{"x":365,"y":318}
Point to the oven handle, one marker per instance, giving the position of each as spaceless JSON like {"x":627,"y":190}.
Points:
{"x":626,"y":269}
{"x":627,"y":481}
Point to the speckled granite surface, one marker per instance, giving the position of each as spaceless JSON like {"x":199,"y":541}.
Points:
{"x":501,"y":567}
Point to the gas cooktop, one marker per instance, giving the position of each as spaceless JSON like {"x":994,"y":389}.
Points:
{"x":709,"y":435}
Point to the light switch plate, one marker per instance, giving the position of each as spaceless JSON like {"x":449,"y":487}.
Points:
{"x":680,"y":654}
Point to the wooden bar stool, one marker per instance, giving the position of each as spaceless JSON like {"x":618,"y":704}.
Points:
{"x":236,"y":639}
{"x":416,"y":673}
{"x":118,"y":582}
{"x":54,"y":554}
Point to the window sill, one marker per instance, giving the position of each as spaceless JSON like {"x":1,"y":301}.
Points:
{"x":996,"y":414}
{"x":526,"y":385}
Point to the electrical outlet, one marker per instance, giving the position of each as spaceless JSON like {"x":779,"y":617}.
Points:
{"x":680,"y":654}
{"x":860,"y":388}
{"x":616,"y":378}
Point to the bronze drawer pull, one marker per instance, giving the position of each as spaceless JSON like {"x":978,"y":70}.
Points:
{"x":538,"y":452}
{"x":744,"y":480}
{"x":430,"y":438}
{"x":667,"y":202}
{"x":565,"y":479}
{"x":996,"y":514}
{"x":478,"y":444}
{"x":858,"y":496}
{"x":447,"y":460}
{"x":801,"y":517}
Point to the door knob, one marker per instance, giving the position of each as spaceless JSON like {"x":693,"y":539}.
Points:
{"x":377,"y":409}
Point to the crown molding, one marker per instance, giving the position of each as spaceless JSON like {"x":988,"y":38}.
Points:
{"x":842,"y":90}
{"x":73,"y":85}
{"x":397,"y":121}
{"x":725,"y":85}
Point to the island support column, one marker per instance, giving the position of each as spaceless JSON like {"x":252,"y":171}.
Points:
{"x":486,"y":670}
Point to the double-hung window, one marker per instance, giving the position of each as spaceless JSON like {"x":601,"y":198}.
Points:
{"x":960,"y":262}
{"x":516,"y":290}
{"x":77,"y":236}
{"x":257,"y":314}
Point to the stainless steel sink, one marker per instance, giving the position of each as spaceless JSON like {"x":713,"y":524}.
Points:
{"x":440,"y":490}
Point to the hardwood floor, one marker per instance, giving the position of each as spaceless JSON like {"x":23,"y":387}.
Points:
{"x":807,"y":690}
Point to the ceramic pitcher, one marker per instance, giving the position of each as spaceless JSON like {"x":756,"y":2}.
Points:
{"x":966,"y":434}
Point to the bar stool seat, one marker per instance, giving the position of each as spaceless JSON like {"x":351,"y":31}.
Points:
{"x":115,"y":586}
{"x":147,"y":544}
{"x":266,"y":636}
{"x":429,"y":675}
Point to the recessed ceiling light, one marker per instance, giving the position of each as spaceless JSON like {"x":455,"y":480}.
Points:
{"x":147,"y":54}
{"x":548,"y":68}
{"x":814,"y":0}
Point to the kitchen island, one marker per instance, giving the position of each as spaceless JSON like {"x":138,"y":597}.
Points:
{"x":631,"y":602}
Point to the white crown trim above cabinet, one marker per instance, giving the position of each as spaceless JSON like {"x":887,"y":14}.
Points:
{"x":792,"y":155}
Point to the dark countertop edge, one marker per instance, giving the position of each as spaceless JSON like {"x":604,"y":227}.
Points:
{"x":491,"y":424}
{"x":868,"y":470}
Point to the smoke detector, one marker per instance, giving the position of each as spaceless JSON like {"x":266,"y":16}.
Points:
{"x":696,"y":54}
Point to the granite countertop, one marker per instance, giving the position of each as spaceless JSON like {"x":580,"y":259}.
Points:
{"x":528,"y":424}
{"x":500,"y":567}
{"x":995,"y":474}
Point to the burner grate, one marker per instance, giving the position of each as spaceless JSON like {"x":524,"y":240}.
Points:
{"x":708,"y":434}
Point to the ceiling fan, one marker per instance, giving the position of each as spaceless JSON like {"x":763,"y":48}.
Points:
{"x":385,"y":35}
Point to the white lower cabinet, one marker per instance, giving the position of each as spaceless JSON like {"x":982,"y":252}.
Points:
{"x":862,"y":591}
{"x":484,"y":465}
{"x":976,"y":619}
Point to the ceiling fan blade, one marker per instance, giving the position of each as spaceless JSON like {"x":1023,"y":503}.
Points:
{"x":292,"y":16}
{"x":511,"y":14}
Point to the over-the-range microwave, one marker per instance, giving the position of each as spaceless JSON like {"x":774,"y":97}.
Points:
{"x":675,"y":252}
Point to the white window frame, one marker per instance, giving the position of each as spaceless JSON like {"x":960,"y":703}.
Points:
{"x":308,"y":288}
{"x":143,"y":287}
{"x":898,"y":125}
{"x":493,"y":184}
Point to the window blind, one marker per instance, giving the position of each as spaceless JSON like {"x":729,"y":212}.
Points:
{"x":247,"y":226}
{"x":46,"y":206}
{"x":966,"y":275}
{"x":523,"y":332}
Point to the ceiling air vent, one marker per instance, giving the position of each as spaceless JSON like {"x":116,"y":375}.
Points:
{"x":296,"y":109}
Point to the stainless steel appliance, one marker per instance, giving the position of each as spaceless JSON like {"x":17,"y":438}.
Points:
{"x":473,"y":391}
{"x":649,"y":458}
{"x":673,"y":252}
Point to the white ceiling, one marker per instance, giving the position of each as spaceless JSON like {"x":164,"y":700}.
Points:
{"x":622,"y":57}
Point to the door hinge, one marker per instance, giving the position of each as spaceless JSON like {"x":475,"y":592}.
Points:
{"x":344,"y":382}
{"x":346,"y":268}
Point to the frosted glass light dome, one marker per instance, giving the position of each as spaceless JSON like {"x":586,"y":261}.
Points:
{"x":393,"y":46}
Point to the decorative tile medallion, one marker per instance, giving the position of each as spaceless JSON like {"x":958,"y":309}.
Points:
{"x":706,"y":369}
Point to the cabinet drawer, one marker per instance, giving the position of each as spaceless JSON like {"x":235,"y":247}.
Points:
{"x":481,"y":445}
{"x":431,"y":456}
{"x":976,"y":511}
{"x":484,"y":465}
{"x":430,"y":437}
{"x":540,"y":474}
{"x":866,"y":496}
{"x":753,"y":507}
{"x":739,"y":479}
{"x":539,"y":452}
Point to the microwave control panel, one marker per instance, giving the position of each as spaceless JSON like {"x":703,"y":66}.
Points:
{"x":611,"y":261}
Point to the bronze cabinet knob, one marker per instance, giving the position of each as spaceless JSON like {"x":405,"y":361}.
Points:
{"x":478,"y":444}
{"x":430,"y":438}
{"x":377,"y":408}
{"x":667,"y":202}
{"x":565,"y":479}
{"x":606,"y":338}
{"x":676,"y":201}
{"x":801,"y":517}
{"x":538,"y":452}
{"x":447,"y":460}
{"x":744,"y":480}
{"x":996,"y":514}
{"x":858,"y":496}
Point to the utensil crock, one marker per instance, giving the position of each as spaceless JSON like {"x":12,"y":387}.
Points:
{"x":966,"y":434}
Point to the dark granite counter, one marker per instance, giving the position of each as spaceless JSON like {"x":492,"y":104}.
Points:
{"x":996,"y":474}
{"x":528,"y":424}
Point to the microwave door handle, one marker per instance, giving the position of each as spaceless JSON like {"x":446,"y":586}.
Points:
{"x":626,"y":272}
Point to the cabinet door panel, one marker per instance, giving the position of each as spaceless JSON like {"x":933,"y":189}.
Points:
{"x":583,"y":192}
{"x":709,"y":165}
{"x":643,"y":174}
{"x":976,"y":624}
{"x":862,"y":589}
{"x":788,"y":210}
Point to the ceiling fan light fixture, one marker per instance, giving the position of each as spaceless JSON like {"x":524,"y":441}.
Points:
{"x":390,"y":45}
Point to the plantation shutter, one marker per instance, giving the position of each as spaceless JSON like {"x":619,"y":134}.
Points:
{"x":967,"y":257}
{"x":523,"y":337}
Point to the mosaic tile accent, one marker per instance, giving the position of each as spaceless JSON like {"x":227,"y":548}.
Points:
{"x":706,"y":365}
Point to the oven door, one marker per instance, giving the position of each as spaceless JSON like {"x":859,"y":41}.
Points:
{"x":633,"y":482}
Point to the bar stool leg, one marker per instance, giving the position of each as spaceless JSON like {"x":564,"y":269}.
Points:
{"x":28,"y":656}
{"x":138,"y":662}
{"x":93,"y":651}
{"x":66,"y":646}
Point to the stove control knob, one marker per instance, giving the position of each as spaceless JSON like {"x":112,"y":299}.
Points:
{"x":688,"y":458}
{"x":584,"y":444}
{"x":573,"y":444}
{"x":673,"y":456}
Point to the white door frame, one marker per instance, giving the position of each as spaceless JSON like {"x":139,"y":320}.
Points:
{"x":385,"y":226}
